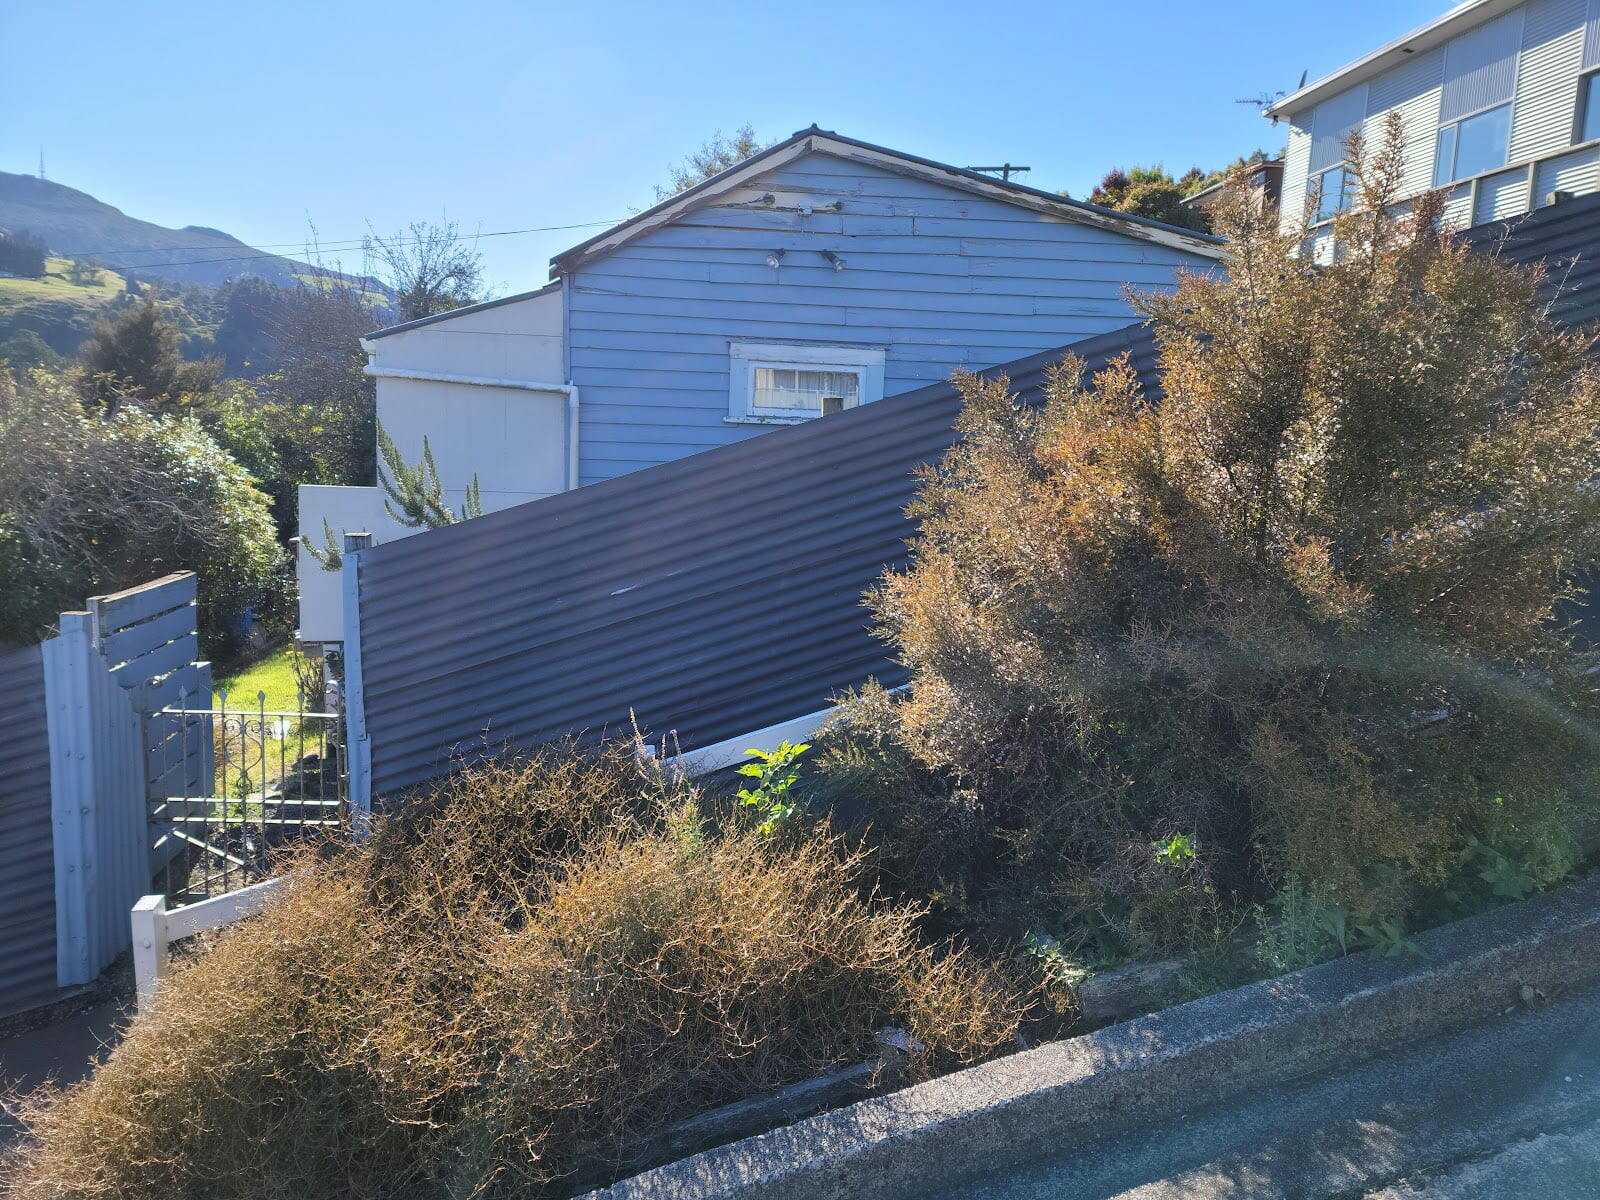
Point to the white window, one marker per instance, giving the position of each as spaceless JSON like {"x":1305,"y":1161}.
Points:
{"x":779,"y":384}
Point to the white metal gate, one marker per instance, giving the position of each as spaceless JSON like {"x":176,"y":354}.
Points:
{"x":268,"y":780}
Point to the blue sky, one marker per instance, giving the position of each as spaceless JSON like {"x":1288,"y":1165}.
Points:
{"x":254,"y":118}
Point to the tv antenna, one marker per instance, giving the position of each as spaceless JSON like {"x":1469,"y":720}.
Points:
{"x":1004,"y":170}
{"x":1268,"y":99}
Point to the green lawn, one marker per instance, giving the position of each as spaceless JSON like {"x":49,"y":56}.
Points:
{"x":273,"y":675}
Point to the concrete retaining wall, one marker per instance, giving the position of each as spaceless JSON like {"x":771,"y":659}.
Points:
{"x":991,"y":1117}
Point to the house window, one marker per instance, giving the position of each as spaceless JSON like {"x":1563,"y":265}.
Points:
{"x":1472,"y":145}
{"x":775,"y":384}
{"x":1589,"y":108}
{"x":1334,"y":191}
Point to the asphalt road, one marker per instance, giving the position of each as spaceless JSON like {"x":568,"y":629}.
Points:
{"x":1507,"y":1110}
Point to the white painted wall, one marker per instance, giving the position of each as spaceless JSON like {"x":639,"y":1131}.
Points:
{"x":478,"y":422}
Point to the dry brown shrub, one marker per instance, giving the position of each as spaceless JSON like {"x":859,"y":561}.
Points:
{"x":510,"y":990}
{"x":1302,"y":610}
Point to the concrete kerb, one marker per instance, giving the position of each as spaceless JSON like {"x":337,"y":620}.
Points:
{"x":1036,"y":1103}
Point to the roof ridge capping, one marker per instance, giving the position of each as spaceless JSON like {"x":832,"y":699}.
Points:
{"x":814,"y":138}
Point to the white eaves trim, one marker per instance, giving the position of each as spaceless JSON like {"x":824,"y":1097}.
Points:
{"x":950,"y":177}
{"x":1426,"y":37}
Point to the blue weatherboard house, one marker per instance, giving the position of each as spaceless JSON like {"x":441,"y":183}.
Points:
{"x":820,"y":275}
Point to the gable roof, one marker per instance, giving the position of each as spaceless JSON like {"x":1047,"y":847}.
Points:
{"x":1425,"y":37}
{"x":815,"y":140}
{"x":719,"y":593}
{"x":451,"y":314}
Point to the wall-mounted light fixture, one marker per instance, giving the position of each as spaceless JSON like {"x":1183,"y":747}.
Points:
{"x":834,"y":260}
{"x":775,"y":258}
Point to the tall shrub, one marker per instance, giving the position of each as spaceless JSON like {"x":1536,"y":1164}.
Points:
{"x":1301,"y":609}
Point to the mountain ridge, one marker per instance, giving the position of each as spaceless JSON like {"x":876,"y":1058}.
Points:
{"x":75,"y":224}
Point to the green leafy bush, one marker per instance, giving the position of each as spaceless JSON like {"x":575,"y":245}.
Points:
{"x":92,"y":504}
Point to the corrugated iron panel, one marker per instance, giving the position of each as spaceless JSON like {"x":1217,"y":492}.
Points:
{"x":1547,"y":80}
{"x":1296,"y":161}
{"x":1502,"y":196}
{"x":1481,"y":67}
{"x":1576,"y":173}
{"x":1412,"y":90}
{"x":1331,"y":125}
{"x":714,"y":595}
{"x":1566,"y":237}
{"x":27,"y":867}
{"x":1591,"y":36}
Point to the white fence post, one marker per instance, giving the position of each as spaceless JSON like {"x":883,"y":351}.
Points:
{"x":70,"y":708}
{"x":358,"y":750}
{"x":155,"y":927}
{"x":149,"y":947}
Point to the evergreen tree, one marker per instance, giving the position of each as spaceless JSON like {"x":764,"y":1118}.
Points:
{"x":134,"y":353}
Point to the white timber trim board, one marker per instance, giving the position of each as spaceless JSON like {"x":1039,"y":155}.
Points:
{"x":732,"y":750}
{"x":377,"y":372}
{"x":155,"y":928}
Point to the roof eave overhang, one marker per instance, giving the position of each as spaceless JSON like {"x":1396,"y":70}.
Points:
{"x":807,"y":142}
{"x":1426,"y":37}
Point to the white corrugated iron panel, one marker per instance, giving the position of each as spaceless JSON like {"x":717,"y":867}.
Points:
{"x":1481,"y":67}
{"x":1578,"y":172}
{"x":1547,"y":82}
{"x":1332,"y":123}
{"x":1296,"y":157}
{"x":1501,"y":196}
{"x":1411,"y":90}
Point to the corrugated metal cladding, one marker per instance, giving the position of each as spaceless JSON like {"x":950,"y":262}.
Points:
{"x":27,"y":867}
{"x":1296,"y":157}
{"x":1547,"y":80}
{"x":1331,"y":124}
{"x":1566,"y":237}
{"x":1591,"y":36}
{"x":714,"y":595}
{"x":1481,"y":67}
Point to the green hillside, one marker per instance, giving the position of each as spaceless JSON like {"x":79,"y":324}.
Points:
{"x":75,"y":224}
{"x":57,"y":286}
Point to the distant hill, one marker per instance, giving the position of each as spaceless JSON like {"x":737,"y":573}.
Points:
{"x":76,"y":225}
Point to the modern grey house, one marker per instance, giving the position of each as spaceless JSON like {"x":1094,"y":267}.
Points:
{"x":1498,"y":101}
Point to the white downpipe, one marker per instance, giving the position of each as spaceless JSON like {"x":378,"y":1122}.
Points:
{"x":569,"y":390}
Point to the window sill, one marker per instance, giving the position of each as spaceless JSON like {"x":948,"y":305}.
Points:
{"x":766,"y":420}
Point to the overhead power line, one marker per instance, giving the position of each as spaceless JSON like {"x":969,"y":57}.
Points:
{"x":335,"y":247}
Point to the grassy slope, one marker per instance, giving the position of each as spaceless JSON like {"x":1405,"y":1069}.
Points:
{"x":20,"y":293}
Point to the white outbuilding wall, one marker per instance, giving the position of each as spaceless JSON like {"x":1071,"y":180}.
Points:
{"x":484,"y":386}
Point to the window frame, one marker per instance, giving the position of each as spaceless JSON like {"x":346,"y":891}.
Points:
{"x":1314,"y":179}
{"x":1453,"y":128}
{"x":865,"y":363}
{"x":1588,"y":81}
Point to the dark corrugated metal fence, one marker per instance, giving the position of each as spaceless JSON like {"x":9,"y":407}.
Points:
{"x":714,"y":595}
{"x":27,"y":870}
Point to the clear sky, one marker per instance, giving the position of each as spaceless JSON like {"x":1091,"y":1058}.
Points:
{"x":255,"y":117}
